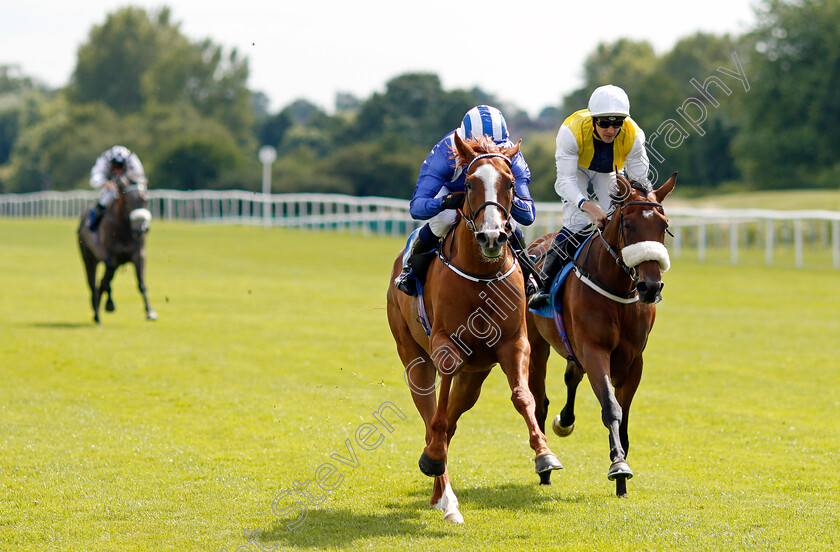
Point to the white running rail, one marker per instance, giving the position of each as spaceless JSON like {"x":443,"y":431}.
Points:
{"x":699,"y":229}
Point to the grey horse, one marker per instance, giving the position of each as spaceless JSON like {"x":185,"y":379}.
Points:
{"x":120,"y":239}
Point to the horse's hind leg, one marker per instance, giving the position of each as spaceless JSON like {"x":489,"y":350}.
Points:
{"x":564,"y":423}
{"x":537,"y":366}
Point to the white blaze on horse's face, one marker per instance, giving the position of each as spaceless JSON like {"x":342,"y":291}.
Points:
{"x":493,"y":224}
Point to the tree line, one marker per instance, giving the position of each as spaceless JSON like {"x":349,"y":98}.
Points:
{"x":753,"y":111}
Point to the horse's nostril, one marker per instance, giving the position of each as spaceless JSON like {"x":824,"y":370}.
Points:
{"x":481,"y":237}
{"x":502,"y":238}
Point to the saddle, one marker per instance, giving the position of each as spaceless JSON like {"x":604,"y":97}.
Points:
{"x":555,"y":297}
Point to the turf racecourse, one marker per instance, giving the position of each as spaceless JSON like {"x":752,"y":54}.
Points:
{"x":272,"y":352}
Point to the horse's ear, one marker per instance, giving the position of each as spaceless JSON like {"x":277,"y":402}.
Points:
{"x":464,"y":151}
{"x":511,"y":152}
{"x":623,"y":186}
{"x":666,"y":188}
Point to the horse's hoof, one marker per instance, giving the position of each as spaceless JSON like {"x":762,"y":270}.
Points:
{"x":620,"y":469}
{"x":432,"y":468}
{"x":546,"y":463}
{"x":454,"y":517}
{"x":559,"y":429}
{"x":151,"y":315}
{"x":109,"y":306}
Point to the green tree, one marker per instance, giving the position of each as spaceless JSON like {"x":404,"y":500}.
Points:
{"x":705,"y":160}
{"x":793,"y":108}
{"x":21,"y":101}
{"x":413,"y":107}
{"x":111,"y":65}
{"x":197,"y":161}
{"x":136,"y":59}
{"x":384,"y":167}
{"x":58,"y":152}
{"x":212,"y":81}
{"x":625,"y":63}
{"x":538,"y":150}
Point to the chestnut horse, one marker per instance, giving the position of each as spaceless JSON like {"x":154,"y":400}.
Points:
{"x":474,"y":307}
{"x":120,"y":239}
{"x":607,"y":312}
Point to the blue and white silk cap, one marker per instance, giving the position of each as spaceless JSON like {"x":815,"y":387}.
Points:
{"x":484,"y":120}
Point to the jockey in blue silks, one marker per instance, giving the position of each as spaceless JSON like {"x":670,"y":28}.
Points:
{"x":440,"y":192}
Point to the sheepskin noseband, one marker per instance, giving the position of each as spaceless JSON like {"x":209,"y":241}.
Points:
{"x":637,"y":253}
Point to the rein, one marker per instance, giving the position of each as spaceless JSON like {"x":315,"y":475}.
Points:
{"x":630,"y":271}
{"x":486,"y":278}
{"x":478,"y":278}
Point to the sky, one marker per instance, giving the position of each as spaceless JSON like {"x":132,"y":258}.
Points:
{"x":527,"y":53}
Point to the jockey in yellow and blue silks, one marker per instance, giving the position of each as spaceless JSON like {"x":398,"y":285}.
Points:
{"x":591,"y":145}
{"x":440,"y":192}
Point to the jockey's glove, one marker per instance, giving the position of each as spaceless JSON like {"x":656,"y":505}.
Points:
{"x":453,"y":200}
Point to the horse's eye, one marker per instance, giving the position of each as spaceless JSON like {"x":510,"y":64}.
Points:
{"x":467,"y":186}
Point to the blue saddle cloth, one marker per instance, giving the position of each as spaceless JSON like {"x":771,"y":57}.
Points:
{"x":554,"y":295}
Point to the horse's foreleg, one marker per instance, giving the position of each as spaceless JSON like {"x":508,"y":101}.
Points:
{"x":105,"y":287}
{"x":444,"y":499}
{"x":611,"y":415}
{"x":139,"y":263}
{"x":624,"y":395}
{"x":433,"y":460}
{"x":514,"y":362}
{"x":465,"y":390}
{"x":90,"y":271}
{"x":564,"y":423}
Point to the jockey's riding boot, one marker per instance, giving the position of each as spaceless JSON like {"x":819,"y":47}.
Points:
{"x":417,"y":261}
{"x":551,"y":266}
{"x":96,"y":215}
{"x":530,"y":273}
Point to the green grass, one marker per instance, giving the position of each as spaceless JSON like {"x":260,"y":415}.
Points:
{"x":272,"y":349}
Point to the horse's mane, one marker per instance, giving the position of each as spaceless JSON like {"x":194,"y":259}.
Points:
{"x":484,"y":144}
{"x":644,"y":187}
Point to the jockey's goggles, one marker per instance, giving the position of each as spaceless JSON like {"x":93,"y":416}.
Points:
{"x":606,"y":123}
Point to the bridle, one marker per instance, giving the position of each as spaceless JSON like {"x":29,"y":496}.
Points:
{"x":470,"y":215}
{"x":630,"y":271}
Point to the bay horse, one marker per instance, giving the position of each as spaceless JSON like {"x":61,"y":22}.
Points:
{"x":120,"y":239}
{"x":607,"y":312}
{"x":473,"y":311}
